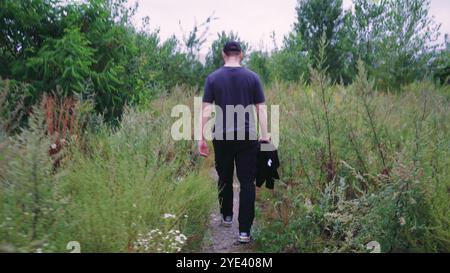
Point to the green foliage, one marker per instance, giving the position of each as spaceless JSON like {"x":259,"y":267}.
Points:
{"x":390,"y":168}
{"x":115,"y":186}
{"x":396,"y":39}
{"x":64,"y":62}
{"x":358,"y":164}
{"x":29,"y":189}
{"x":90,"y":48}
{"x":441,"y":64}
{"x":259,"y":62}
{"x":314,"y":19}
{"x":13,"y":96}
{"x":291,"y":62}
{"x":24,"y":26}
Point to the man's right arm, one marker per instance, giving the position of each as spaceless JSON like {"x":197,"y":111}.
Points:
{"x":261,"y":110}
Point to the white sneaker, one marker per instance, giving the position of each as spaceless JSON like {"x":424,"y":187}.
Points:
{"x":244,"y":237}
{"x":227,"y":221}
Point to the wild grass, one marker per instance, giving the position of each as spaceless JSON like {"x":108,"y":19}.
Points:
{"x":359,"y":165}
{"x":109,"y":189}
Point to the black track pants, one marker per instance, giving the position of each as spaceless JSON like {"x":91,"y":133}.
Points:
{"x":242,"y":153}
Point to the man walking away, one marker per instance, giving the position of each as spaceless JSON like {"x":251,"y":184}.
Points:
{"x":233,"y":88}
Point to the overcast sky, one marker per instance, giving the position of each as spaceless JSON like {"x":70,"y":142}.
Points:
{"x":253,"y":20}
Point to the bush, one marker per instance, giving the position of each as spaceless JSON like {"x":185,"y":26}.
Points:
{"x":107,"y":193}
{"x":91,"y":49}
{"x":29,"y":190}
{"x":259,"y":62}
{"x":386,"y":181}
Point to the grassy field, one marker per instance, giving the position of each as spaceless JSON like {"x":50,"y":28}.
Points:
{"x":126,"y":189}
{"x":357,"y":165}
{"x":88,"y":161}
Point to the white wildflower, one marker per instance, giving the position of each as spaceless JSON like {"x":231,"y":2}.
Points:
{"x":160,"y":241}
{"x":168,"y":216}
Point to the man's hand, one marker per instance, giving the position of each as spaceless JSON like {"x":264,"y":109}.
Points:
{"x":203,"y":148}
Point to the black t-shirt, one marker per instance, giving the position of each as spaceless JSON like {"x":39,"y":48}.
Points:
{"x":235,"y":90}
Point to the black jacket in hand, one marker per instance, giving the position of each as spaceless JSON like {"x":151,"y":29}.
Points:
{"x":266,"y":169}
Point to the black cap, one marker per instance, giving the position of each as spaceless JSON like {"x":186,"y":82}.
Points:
{"x":232,"y":46}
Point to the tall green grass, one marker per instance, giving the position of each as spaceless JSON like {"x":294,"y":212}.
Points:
{"x":359,"y":165}
{"x":110,"y":190}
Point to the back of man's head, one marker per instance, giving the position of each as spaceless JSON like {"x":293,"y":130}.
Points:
{"x":232,"y":48}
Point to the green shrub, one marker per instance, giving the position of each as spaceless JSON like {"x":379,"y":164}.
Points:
{"x":109,"y":190}
{"x":390,"y":164}
{"x":29,"y":189}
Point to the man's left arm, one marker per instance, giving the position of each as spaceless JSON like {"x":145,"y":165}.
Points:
{"x":208,"y":99}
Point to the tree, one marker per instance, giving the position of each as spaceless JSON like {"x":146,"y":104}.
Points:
{"x":259,"y":62}
{"x":317,"y":17}
{"x":368,"y":28}
{"x":64,"y":62}
{"x":290,"y":63}
{"x":441,"y":65}
{"x":196,"y":38}
{"x":24,"y":26}
{"x":90,"y":48}
{"x":396,"y":39}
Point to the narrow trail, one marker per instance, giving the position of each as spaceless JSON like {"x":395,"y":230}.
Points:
{"x":219,"y":239}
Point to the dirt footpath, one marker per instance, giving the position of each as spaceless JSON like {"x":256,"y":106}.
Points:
{"x":221,"y":239}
